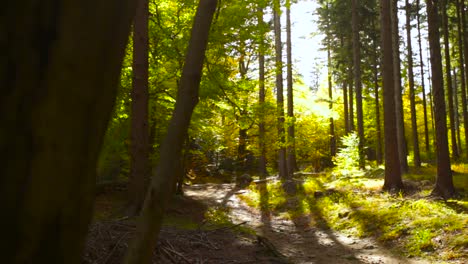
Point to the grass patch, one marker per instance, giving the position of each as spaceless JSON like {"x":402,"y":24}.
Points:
{"x":415,"y":225}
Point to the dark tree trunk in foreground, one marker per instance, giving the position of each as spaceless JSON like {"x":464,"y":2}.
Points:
{"x":261,"y":97}
{"x":291,"y":159}
{"x":392,"y":164}
{"x":463,"y":76}
{"x":414,"y":124}
{"x":140,"y":144}
{"x":150,"y":219}
{"x":402,"y":151}
{"x":424,"y":101}
{"x":58,"y":78}
{"x":282,"y":167}
{"x":444,"y":183}
{"x":448,"y":77}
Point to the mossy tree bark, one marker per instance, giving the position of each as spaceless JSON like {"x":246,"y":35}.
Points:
{"x":150,"y":219}
{"x":59,"y":69}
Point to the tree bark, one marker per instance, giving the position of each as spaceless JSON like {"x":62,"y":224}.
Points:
{"x":351,"y":98}
{"x":58,"y":75}
{"x":291,"y":159}
{"x":357,"y":79}
{"x":376,"y":100}
{"x":330,"y":89}
{"x":345,"y":99}
{"x":282,"y":166}
{"x":261,"y":97}
{"x":392,"y":164}
{"x":463,"y":74}
{"x":150,"y":219}
{"x":448,"y":77}
{"x":465,"y":53}
{"x":444,"y":183}
{"x":426,"y":130}
{"x":398,"y":89}
{"x":414,"y":125}
{"x":140,"y":167}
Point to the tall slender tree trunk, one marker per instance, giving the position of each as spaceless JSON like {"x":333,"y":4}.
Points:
{"x":330,"y":89}
{"x":351,"y":98}
{"x":150,"y":219}
{"x":463,"y":76}
{"x":448,"y":77}
{"x":423,"y":86}
{"x":357,"y":79}
{"x":376,"y":100}
{"x":444,"y":182}
{"x":345,"y":98}
{"x":345,"y":106}
{"x":431,"y":95}
{"x":282,"y":166}
{"x":414,"y":124}
{"x":398,"y":89}
{"x":456,"y":109}
{"x":330,"y":105}
{"x":392,"y":162}
{"x":291,"y":150}
{"x":465,"y":53}
{"x":261,"y":97}
{"x":58,"y":79}
{"x":140,"y":166}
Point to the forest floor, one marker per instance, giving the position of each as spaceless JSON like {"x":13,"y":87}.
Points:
{"x":294,"y":239}
{"x":217,"y":223}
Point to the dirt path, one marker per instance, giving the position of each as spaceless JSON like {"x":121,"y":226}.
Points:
{"x":296,"y":240}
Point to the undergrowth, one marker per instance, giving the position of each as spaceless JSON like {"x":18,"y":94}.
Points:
{"x":413,"y":223}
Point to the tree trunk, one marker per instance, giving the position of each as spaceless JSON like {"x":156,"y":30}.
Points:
{"x":291,"y":159}
{"x":426,"y":130}
{"x":282,"y":169}
{"x":345,"y":99}
{"x":444,"y":183}
{"x":463,"y":76}
{"x":456,"y":109}
{"x":376,"y":99}
{"x":448,"y":77}
{"x":58,"y":75}
{"x":261,"y":98}
{"x":330,"y":106}
{"x":330,"y":90}
{"x":392,"y":164}
{"x":150,"y":219}
{"x":357,"y":80}
{"x":140,"y":166}
{"x":414,"y":125}
{"x":402,"y":151}
{"x":351,"y":98}
{"x":465,"y":53}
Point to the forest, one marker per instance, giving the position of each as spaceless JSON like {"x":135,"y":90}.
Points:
{"x":209,"y":131}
